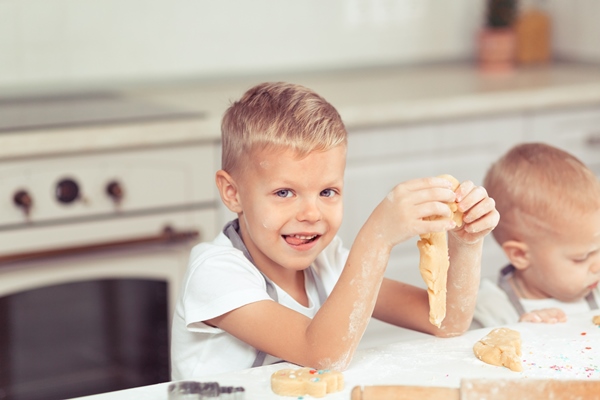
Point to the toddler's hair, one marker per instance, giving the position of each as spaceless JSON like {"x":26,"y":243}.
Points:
{"x":277,"y":116}
{"x":538,"y":187}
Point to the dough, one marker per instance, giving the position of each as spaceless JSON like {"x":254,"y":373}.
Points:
{"x":502,"y":347}
{"x":434,"y":263}
{"x":306,"y":381}
{"x":596,"y":320}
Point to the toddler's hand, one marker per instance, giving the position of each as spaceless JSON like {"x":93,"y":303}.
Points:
{"x":480,"y":215}
{"x":545,"y":315}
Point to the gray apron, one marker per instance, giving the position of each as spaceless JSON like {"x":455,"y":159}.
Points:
{"x":505,"y":285}
{"x":232,"y":230}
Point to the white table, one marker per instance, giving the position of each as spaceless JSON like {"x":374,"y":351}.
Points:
{"x":569,"y":350}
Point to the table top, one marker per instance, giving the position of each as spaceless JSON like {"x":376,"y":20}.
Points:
{"x":568,"y":350}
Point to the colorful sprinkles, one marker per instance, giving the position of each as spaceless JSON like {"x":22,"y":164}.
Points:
{"x":579,"y":358}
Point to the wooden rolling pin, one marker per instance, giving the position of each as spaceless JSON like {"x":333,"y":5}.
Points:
{"x":489,"y":389}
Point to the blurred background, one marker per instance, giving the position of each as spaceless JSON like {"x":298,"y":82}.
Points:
{"x":110,"y":138}
{"x":86,"y":42}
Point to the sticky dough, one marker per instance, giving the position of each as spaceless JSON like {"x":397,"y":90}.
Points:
{"x":306,"y":381}
{"x":434,"y":263}
{"x":501,"y":347}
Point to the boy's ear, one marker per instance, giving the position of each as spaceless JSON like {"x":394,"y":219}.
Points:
{"x":229,"y":191}
{"x":517,"y":253}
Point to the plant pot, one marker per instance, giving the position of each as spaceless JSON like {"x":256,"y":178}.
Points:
{"x":496,"y":50}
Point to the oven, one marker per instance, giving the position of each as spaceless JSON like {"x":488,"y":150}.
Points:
{"x":93,"y":247}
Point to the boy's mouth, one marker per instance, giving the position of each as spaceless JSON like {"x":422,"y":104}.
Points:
{"x":296,"y":240}
{"x":593,"y":286}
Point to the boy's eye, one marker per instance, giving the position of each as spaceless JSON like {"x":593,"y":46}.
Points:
{"x":581,"y":259}
{"x":328,"y":193}
{"x":283,"y":193}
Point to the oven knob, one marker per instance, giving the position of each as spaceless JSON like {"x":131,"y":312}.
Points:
{"x":23,"y":200}
{"x":115,"y":191}
{"x":67,"y":191}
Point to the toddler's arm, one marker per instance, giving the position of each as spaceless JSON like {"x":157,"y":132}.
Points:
{"x":545,"y":315}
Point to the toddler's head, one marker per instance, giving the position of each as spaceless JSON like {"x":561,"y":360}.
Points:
{"x":278,"y":116}
{"x":549,"y":204}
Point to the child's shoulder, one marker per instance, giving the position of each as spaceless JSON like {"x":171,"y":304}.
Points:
{"x":219,"y":253}
{"x":212,"y":263}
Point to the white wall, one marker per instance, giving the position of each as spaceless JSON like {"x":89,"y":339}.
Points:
{"x":82,"y":42}
{"x":576,"y":29}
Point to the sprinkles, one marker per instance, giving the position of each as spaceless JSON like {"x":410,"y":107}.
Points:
{"x":578,"y":359}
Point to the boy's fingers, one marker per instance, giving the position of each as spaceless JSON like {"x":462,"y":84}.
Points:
{"x":427,"y":183}
{"x":468,"y":200}
{"x":486,"y":207}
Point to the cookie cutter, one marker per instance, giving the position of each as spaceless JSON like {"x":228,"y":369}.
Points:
{"x":193,"y":390}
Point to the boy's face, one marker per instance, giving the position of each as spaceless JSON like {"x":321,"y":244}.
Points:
{"x":291,"y":208}
{"x":566,"y":267}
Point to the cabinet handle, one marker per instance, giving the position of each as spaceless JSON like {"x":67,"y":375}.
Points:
{"x":593,"y":139}
{"x":167,"y":236}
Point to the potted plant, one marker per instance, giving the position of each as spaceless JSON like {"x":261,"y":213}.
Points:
{"x":497,"y":39}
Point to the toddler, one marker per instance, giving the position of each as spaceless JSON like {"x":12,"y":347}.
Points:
{"x":277,"y":284}
{"x":549,"y":203}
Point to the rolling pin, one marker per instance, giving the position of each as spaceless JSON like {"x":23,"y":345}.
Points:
{"x":489,"y":389}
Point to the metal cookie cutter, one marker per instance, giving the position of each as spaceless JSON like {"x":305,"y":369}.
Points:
{"x":192,"y":390}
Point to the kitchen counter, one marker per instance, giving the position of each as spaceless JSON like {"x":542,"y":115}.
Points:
{"x":568,"y":350}
{"x":364,"y":98}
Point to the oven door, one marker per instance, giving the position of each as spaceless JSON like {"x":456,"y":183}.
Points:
{"x":92,"y":318}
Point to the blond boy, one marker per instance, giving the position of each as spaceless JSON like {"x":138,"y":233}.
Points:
{"x":549,"y":229}
{"x":277,"y":284}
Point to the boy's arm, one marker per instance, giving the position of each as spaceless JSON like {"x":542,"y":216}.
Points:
{"x":331,"y":337}
{"x":465,"y":247}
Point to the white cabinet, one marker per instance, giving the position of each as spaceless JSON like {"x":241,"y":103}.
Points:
{"x":574,"y":130}
{"x":380,"y":158}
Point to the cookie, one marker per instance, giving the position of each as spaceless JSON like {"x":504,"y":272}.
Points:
{"x":306,"y":381}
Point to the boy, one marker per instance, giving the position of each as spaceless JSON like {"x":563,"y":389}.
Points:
{"x":550,"y":232}
{"x":277,"y":283}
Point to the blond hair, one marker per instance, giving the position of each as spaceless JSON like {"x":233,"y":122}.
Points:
{"x":537,"y":188}
{"x":277,"y":116}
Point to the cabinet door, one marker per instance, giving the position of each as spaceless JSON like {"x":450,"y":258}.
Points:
{"x":576,"y":131}
{"x":379,"y":159}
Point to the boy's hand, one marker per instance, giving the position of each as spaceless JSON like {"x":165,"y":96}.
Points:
{"x":404,"y":212}
{"x":480,"y":216}
{"x":545,"y":315}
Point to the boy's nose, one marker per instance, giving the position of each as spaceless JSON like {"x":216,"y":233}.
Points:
{"x":595,"y":267}
{"x":309,"y":211}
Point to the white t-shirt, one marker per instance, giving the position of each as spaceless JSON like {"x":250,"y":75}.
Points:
{"x":494,"y":307}
{"x":219,"y":279}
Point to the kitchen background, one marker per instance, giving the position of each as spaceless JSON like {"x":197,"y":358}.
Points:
{"x":61,"y":43}
{"x":109,"y":140}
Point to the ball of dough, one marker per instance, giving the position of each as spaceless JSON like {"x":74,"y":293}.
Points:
{"x":501,"y":347}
